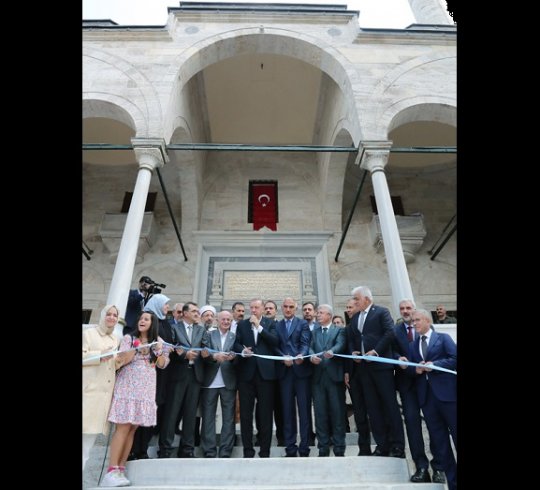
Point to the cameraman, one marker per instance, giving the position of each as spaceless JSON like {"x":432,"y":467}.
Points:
{"x":136,"y":300}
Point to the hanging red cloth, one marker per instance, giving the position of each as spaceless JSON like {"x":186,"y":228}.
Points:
{"x":264,"y":206}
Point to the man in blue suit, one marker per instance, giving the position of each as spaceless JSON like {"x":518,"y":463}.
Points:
{"x":406,"y":385}
{"x":437,"y":390}
{"x":294,"y":377}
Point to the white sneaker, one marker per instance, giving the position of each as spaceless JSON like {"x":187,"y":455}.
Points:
{"x":114,"y":478}
{"x":123,"y":473}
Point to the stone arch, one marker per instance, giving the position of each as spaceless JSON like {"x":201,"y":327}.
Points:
{"x":278,"y":41}
{"x":186,"y":167}
{"x":421,"y":108}
{"x":110,"y":107}
{"x":391,"y":97}
{"x":138,"y":98}
{"x":332,"y":168}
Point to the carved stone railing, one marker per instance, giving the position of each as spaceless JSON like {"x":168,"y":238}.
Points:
{"x":411,"y":232}
{"x":112,"y":228}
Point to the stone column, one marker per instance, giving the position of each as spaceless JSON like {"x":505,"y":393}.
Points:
{"x":430,"y":12}
{"x":374,"y":158}
{"x":150,"y":153}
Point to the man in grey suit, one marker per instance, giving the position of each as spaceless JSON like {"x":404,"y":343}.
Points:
{"x":219,"y":382}
{"x":328,"y":383}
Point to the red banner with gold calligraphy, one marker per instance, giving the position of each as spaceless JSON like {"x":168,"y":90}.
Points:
{"x":264,"y":206}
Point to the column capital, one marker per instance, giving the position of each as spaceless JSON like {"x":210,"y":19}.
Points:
{"x":374,"y":154}
{"x":150,"y":152}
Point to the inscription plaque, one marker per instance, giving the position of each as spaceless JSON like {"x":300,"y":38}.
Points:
{"x":276,"y":285}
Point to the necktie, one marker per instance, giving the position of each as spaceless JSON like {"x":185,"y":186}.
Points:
{"x":361,"y":328}
{"x":361,"y":321}
{"x":288,"y":326}
{"x":423,"y":346}
{"x":189,"y":327}
{"x":410,"y":337}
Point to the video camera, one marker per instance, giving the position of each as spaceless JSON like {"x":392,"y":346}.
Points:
{"x":153,"y":287}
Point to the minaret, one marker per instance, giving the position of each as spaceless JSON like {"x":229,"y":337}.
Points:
{"x":430,"y":12}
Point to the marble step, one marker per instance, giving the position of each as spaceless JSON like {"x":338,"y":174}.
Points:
{"x":365,"y":473}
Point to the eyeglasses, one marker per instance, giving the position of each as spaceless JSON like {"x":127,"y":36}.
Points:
{"x":193,"y":311}
{"x":178,"y":311}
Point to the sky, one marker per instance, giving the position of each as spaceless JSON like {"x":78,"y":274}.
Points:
{"x":373,"y":13}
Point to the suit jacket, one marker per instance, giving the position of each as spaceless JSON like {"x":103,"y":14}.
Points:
{"x":211,"y":366}
{"x":404,"y":381}
{"x":293,"y":343}
{"x":133,"y":308}
{"x":267,"y":344}
{"x":377,"y":334}
{"x":337,"y":343}
{"x":442,"y":351}
{"x":181,"y":363}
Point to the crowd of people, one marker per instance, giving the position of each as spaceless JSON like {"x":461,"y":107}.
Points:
{"x":203,"y":356}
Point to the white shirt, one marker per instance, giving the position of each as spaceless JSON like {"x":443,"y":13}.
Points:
{"x":257,"y":330}
{"x":218,"y":380}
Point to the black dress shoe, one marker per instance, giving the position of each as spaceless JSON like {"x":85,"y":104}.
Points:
{"x":185,"y":454}
{"x":291,"y":455}
{"x":364,"y":452}
{"x":379,"y":452}
{"x":324,"y":454}
{"x":132,"y":457}
{"x":421,"y":476}
{"x":396,"y":452}
{"x":439,"y":476}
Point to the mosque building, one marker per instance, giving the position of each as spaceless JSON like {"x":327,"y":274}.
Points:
{"x":270,"y":150}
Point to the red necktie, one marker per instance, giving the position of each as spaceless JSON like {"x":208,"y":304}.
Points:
{"x":409,"y":334}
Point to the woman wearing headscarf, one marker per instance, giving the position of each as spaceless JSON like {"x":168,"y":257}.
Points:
{"x":158,"y":306}
{"x":98,"y":376}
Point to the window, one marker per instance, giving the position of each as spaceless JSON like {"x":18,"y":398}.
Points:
{"x":397,"y":204}
{"x":150,"y":201}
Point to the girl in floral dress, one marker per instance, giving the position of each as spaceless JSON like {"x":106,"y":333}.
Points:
{"x":134,"y":396}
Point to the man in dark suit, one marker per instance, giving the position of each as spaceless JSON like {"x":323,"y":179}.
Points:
{"x":219,"y":382}
{"x":327,"y":383}
{"x":135,"y":304}
{"x":353,"y":384}
{"x":256,"y":377}
{"x":185,"y":377}
{"x":294,"y":378}
{"x":371,"y":332}
{"x":406,"y":386}
{"x":437,"y":390}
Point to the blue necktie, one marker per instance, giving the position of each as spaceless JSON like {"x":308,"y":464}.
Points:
{"x":288,"y":326}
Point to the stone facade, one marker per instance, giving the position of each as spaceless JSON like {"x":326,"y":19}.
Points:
{"x":273,"y":77}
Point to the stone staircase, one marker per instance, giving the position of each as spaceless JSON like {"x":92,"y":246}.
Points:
{"x":351,"y":472}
